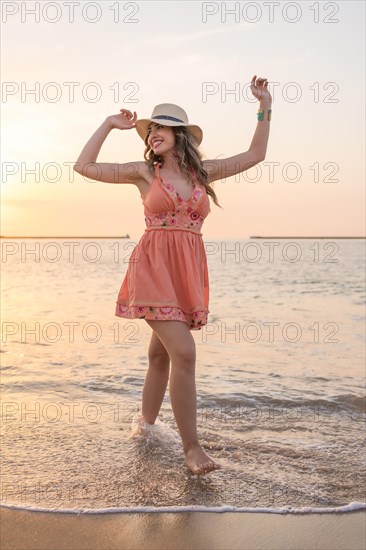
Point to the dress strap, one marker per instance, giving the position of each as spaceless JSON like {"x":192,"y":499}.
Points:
{"x":156,"y":167}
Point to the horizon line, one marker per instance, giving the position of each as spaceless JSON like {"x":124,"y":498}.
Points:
{"x":128,"y":237}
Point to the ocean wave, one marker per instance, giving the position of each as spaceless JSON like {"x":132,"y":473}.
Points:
{"x":351,"y":507}
{"x":345,"y":402}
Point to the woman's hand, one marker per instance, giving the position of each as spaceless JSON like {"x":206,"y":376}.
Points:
{"x":260,"y":91}
{"x":124,"y":121}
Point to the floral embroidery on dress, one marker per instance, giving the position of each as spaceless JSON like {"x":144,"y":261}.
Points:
{"x":176,"y":218}
{"x":194,"y":197}
{"x":194,"y":320}
{"x":171,"y":188}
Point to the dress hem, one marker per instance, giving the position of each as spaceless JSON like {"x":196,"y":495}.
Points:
{"x":194,"y":320}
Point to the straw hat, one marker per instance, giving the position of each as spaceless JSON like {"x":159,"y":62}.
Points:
{"x":168,"y":114}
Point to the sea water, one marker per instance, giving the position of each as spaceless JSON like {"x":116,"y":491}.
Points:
{"x":279,"y":376}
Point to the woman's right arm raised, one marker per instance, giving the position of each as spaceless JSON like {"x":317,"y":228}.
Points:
{"x":108,"y":172}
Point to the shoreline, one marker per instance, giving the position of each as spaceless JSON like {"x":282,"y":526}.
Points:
{"x":224,"y":508}
{"x":27,"y":530}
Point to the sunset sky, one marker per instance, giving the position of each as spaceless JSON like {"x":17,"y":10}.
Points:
{"x":312,"y":180}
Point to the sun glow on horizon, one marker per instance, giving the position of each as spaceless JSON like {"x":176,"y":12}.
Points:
{"x":320,"y":128}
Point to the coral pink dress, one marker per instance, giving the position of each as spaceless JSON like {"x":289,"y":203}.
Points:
{"x":167,"y":275}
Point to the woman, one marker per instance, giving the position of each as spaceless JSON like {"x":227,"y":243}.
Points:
{"x":166,"y":283}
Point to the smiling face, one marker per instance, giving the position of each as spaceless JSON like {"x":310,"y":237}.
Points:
{"x":161,"y":139}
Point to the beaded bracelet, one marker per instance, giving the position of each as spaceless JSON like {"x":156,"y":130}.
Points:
{"x":261,"y":113}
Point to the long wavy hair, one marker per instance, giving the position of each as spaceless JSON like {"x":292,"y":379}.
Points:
{"x":189,"y":159}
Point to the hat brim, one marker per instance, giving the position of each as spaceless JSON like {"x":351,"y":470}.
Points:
{"x":142,"y":125}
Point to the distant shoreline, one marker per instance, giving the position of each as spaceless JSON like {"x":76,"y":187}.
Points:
{"x":67,"y":237}
{"x":128,"y":237}
{"x":331,"y":237}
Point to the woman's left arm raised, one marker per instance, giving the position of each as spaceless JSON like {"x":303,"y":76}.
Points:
{"x":224,"y":168}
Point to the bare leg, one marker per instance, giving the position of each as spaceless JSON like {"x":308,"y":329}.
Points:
{"x":180,"y":345}
{"x":156,"y":380}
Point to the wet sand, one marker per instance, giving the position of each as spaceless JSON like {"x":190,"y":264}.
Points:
{"x":23,"y":529}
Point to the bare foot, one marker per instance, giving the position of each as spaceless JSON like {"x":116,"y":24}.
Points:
{"x":140,"y":427}
{"x":199,"y":462}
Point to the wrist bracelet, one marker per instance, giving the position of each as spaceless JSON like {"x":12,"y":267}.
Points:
{"x":260,"y":114}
